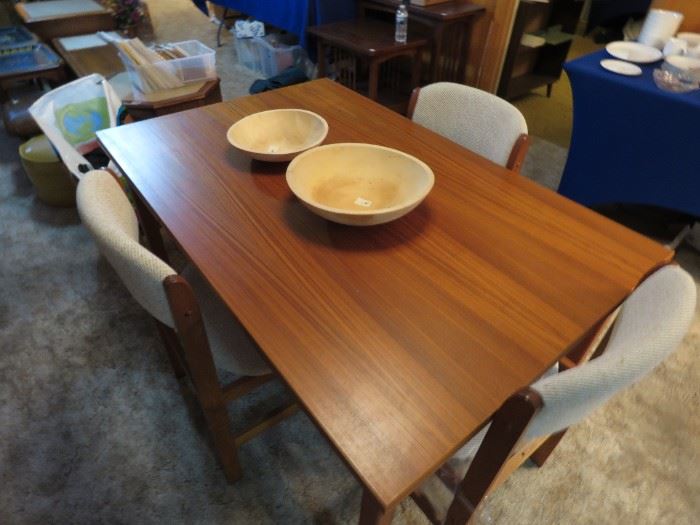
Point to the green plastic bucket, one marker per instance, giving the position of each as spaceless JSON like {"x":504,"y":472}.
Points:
{"x":51,"y":179}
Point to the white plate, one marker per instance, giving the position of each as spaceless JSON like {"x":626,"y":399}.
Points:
{"x":634,"y":52}
{"x":621,"y":68}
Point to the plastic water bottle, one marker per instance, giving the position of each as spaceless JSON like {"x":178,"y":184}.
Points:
{"x":401,"y":24}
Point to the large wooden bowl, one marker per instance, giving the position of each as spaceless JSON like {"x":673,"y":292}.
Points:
{"x":359,"y":184}
{"x":278,"y":135}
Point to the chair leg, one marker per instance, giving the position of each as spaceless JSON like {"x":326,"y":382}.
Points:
{"x":507,"y":427}
{"x":540,"y":455}
{"x":224,"y":443}
{"x":170,"y":341}
{"x":202,"y":372}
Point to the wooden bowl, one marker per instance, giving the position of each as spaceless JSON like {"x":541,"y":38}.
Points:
{"x":359,"y":184}
{"x":278,"y":135}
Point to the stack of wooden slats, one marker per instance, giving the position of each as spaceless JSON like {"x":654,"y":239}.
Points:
{"x":152,"y":64}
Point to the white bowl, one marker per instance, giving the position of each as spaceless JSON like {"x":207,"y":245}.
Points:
{"x":278,"y":135}
{"x":693,"y":39}
{"x":359,"y":184}
{"x":634,"y":52}
{"x":685,"y":67}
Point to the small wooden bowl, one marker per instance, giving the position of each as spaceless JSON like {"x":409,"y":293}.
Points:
{"x":278,"y":135}
{"x":359,"y":184}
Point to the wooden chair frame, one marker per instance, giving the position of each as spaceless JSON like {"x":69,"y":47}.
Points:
{"x":188,"y":349}
{"x":500,"y":453}
{"x":517,"y":154}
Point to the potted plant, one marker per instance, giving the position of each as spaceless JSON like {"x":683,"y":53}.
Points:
{"x":127,"y":14}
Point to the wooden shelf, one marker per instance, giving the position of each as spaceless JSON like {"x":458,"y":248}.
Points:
{"x":527,"y":67}
{"x":523,"y":84}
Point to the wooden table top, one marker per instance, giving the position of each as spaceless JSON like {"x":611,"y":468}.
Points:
{"x":57,"y":9}
{"x":444,"y":11}
{"x":401,"y":340}
{"x":100,"y":59}
{"x":365,"y":36}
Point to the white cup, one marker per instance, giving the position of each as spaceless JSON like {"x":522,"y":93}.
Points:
{"x":693,"y":41}
{"x":675,"y":46}
{"x":659,"y":26}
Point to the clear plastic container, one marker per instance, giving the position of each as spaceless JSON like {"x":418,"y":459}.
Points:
{"x":39,"y":57}
{"x":266,"y":56}
{"x":16,"y":39}
{"x":198,"y":66}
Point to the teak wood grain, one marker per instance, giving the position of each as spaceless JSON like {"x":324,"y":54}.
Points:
{"x":400,"y":340}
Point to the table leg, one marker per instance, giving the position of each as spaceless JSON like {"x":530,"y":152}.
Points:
{"x":222,"y":23}
{"x":464,"y":52}
{"x":151,"y":228}
{"x":415,"y":70}
{"x":321,"y":58}
{"x":436,"y":58}
{"x":373,"y":78}
{"x":372,"y":513}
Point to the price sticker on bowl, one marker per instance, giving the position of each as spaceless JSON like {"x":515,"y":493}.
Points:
{"x":363,"y":202}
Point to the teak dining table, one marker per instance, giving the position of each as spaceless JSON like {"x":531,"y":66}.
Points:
{"x":399,"y":340}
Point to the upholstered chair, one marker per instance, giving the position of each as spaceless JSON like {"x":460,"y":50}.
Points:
{"x":475,"y":119}
{"x":198,"y":330}
{"x":651,"y":323}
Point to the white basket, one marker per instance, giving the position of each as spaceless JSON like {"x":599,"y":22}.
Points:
{"x":198,"y":66}
{"x":260,"y":56}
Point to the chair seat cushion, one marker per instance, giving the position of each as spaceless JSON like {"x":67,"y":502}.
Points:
{"x":233,"y":349}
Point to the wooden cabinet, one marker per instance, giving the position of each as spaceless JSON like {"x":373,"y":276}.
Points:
{"x":540,"y":41}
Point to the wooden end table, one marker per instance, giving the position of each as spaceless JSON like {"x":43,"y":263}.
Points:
{"x":371,"y":41}
{"x":55,"y":18}
{"x":174,"y":100}
{"x":49,"y":67}
{"x":449,"y":25}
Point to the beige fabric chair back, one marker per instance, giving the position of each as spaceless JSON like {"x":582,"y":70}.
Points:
{"x":475,"y":119}
{"x":110,"y":219}
{"x":651,"y":324}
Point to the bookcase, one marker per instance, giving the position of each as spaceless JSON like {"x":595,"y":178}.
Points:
{"x":540,"y":41}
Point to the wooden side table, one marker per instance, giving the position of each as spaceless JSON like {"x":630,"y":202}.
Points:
{"x":209,"y":92}
{"x":104,"y":59}
{"x":368,"y":40}
{"x":20,"y":66}
{"x":54,"y":18}
{"x":449,"y":25}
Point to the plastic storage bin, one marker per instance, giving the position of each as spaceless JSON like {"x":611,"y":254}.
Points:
{"x":16,"y":39}
{"x":263,"y":55}
{"x":37,"y":57}
{"x":200,"y":65}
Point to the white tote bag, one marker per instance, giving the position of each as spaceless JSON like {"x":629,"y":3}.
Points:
{"x":72,"y":114}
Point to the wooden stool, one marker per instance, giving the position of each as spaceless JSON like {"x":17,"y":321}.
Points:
{"x":368,"y":40}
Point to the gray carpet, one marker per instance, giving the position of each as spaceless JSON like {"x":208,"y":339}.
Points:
{"x":93,"y":427}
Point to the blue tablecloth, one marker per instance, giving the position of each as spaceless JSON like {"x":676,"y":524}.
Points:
{"x":632,"y":142}
{"x":291,"y":15}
